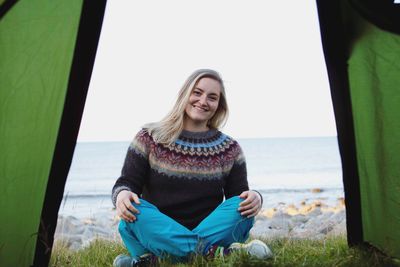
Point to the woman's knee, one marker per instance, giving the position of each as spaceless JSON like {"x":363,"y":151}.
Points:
{"x":143,"y":203}
{"x":144,"y":208}
{"x":231,"y":203}
{"x":234,"y":199}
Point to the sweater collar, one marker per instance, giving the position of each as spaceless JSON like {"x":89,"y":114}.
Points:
{"x":199,"y":135}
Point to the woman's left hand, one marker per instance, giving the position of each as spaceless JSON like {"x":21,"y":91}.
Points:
{"x":251,"y":205}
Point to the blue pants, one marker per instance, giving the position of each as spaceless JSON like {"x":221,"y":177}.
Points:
{"x":159,"y":234}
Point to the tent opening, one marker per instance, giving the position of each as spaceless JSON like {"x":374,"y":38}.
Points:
{"x":272,"y":63}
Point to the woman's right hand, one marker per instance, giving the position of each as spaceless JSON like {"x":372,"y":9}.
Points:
{"x":125,"y":209}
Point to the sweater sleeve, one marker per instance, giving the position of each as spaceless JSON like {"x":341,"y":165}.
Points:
{"x":236,"y":182}
{"x":135,"y":168}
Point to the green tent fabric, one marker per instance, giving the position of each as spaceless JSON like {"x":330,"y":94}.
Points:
{"x":39,"y":51}
{"x":374,"y":71}
{"x":362,"y":50}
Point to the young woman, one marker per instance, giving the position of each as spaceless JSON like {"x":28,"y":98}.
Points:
{"x":175,"y":177}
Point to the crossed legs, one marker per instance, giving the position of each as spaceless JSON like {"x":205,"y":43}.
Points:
{"x":159,"y":234}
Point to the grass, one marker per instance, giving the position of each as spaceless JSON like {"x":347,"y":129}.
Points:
{"x":332,"y":251}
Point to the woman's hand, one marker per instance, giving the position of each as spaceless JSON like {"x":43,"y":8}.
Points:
{"x":125,"y":209}
{"x":251,"y":205}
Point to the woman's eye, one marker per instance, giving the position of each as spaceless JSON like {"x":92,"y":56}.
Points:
{"x":213,"y":98}
{"x":196,"y":93}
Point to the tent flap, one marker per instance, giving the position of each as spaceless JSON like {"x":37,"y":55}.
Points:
{"x":374,"y":68}
{"x":40,"y":49}
{"x":362,"y":52}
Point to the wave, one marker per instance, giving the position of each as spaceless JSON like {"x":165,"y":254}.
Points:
{"x":298,"y":190}
{"x":89,"y":195}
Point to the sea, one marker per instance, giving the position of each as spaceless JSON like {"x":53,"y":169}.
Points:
{"x":284,"y":170}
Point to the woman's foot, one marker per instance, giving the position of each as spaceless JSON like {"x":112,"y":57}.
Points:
{"x":124,"y":261}
{"x":255,"y":248}
{"x":128,"y":261}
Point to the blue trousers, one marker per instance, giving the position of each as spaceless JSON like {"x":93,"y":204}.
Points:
{"x":159,"y":234}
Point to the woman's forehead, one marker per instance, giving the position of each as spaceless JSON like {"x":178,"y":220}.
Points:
{"x":209,"y":85}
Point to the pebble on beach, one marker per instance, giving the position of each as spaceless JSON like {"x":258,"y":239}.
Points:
{"x":74,"y":233}
{"x":314,"y":220}
{"x":317,"y":190}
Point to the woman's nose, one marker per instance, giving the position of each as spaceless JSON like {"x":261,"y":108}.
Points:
{"x":203,"y":100}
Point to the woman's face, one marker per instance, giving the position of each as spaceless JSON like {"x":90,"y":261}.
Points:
{"x":203,"y":101}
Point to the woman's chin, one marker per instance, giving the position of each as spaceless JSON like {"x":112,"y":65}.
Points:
{"x":198,"y":119}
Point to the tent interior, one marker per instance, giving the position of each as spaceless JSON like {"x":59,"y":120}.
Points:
{"x":47,"y":51}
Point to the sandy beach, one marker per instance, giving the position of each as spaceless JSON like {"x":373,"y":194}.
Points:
{"x":313,"y":220}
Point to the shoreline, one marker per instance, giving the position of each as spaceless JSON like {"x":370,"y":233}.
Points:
{"x":308,"y":219}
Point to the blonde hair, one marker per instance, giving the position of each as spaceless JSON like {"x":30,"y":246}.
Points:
{"x":168,"y":129}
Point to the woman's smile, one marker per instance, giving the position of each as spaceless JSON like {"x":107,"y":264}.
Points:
{"x":200,"y":108}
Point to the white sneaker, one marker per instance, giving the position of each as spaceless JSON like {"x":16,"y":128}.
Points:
{"x":255,"y":248}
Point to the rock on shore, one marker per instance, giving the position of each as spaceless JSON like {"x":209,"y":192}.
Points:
{"x":75,"y":233}
{"x":313,"y":221}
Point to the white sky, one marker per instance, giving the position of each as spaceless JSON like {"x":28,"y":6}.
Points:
{"x":269,"y":54}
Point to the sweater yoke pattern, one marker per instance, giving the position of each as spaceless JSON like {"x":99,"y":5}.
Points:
{"x":190,"y":156}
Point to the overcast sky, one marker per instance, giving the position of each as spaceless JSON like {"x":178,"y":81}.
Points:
{"x":269,"y":54}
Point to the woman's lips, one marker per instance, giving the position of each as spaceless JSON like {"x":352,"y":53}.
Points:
{"x":199,"y":108}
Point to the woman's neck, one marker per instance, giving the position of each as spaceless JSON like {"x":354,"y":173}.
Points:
{"x":194,"y":127}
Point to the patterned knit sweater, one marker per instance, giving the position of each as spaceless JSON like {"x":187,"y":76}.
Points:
{"x":186,"y":180}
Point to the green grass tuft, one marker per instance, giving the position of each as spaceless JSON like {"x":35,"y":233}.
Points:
{"x":332,"y":251}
